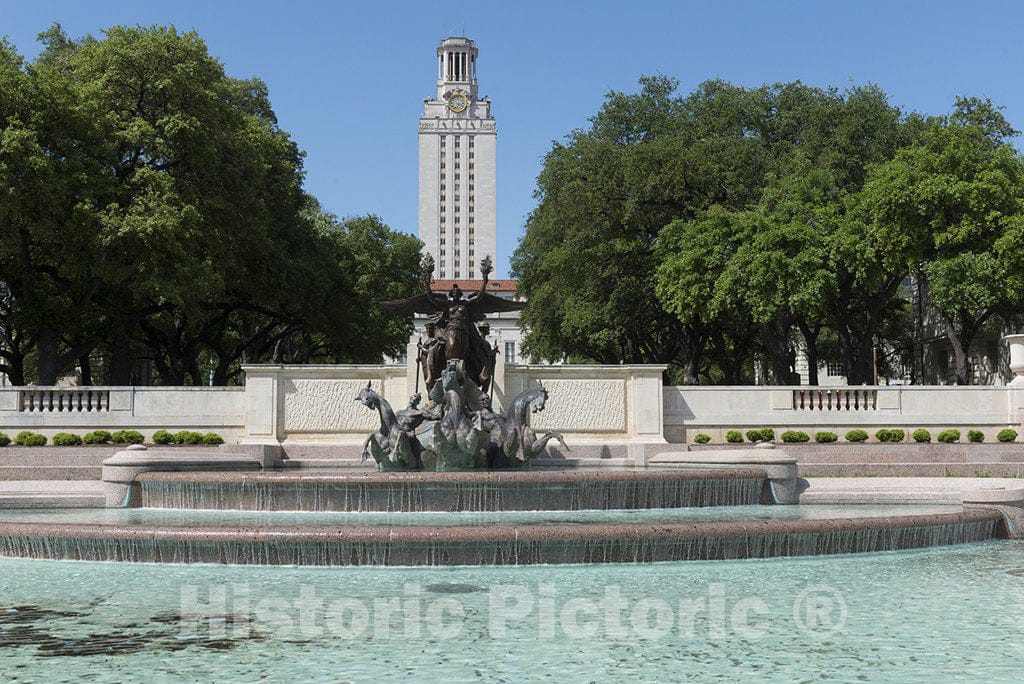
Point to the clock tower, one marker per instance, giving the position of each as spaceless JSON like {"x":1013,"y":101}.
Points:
{"x":457,"y":171}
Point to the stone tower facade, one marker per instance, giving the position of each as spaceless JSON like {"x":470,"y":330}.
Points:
{"x":457,"y":171}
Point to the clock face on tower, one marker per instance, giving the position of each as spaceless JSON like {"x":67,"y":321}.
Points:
{"x":458,"y":103}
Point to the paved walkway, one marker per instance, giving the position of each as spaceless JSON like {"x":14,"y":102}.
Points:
{"x":900,"y":489}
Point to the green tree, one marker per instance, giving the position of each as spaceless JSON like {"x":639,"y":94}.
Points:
{"x":586,"y":264}
{"x":953,"y":205}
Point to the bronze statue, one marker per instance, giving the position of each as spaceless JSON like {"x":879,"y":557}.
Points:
{"x":458,"y":429}
{"x":452,"y":331}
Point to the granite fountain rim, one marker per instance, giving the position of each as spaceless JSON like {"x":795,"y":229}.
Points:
{"x":491,"y":533}
{"x":450,"y":477}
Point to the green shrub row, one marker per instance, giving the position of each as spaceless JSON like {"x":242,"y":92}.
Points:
{"x":888,"y":435}
{"x":212,"y":438}
{"x":29,"y":438}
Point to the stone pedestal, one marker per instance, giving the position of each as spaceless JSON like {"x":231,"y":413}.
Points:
{"x":1016,"y":345}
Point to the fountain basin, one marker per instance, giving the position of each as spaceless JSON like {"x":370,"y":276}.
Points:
{"x":452,"y":491}
{"x":433,"y":545}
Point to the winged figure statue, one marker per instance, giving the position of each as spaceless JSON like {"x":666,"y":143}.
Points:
{"x":451,"y":328}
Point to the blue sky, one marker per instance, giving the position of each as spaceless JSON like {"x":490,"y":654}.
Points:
{"x":347,"y":79}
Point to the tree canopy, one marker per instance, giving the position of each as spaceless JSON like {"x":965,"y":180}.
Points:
{"x":731,"y":225}
{"x":153,"y":210}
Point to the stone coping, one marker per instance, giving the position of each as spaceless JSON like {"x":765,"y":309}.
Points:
{"x":452,"y":477}
{"x":489,"y":533}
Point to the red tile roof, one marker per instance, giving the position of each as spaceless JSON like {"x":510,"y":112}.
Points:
{"x":468,"y":286}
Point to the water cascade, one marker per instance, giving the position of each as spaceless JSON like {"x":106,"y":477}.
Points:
{"x":493,"y":545}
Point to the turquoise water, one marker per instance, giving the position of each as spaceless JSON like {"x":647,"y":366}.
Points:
{"x":931,"y":615}
{"x":230,"y":518}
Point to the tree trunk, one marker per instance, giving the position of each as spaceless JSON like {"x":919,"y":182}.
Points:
{"x":47,"y":362}
{"x":775,"y":339}
{"x":85,"y":368}
{"x":119,"y":370}
{"x":961,"y":341}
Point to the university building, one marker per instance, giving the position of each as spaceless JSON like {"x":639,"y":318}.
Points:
{"x":457,"y":187}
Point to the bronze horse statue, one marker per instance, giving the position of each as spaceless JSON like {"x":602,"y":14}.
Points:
{"x":514,"y":442}
{"x":393,"y":446}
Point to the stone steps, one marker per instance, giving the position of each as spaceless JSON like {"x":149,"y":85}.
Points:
{"x":43,"y":472}
{"x":852,"y":456}
{"x":910,"y":469}
{"x":51,"y":494}
{"x":56,"y":456}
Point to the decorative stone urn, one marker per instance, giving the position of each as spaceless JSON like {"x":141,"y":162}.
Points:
{"x":1016,"y":344}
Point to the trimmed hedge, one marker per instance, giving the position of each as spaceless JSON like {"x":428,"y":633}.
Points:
{"x":699,"y":438}
{"x":761,"y":435}
{"x":890,"y":435}
{"x":922,"y":435}
{"x":949,"y":436}
{"x":975,"y":436}
{"x":856,"y":436}
{"x":188,"y":437}
{"x":127,"y":437}
{"x":213,"y":439}
{"x":96,"y":437}
{"x":163,"y":437}
{"x":5,"y":440}
{"x":825,"y":437}
{"x":66,"y":439}
{"x":29,"y":438}
{"x":1007,"y":435}
{"x":792,"y":436}
{"x":734,"y":436}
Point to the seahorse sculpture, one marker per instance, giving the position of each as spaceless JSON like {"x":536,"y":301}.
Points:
{"x":457,"y":430}
{"x":393,"y":446}
{"x":516,"y":442}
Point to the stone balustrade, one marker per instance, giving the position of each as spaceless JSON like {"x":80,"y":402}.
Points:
{"x":716,"y":410}
{"x":64,"y":399}
{"x":835,"y":399}
{"x":49,"y":410}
